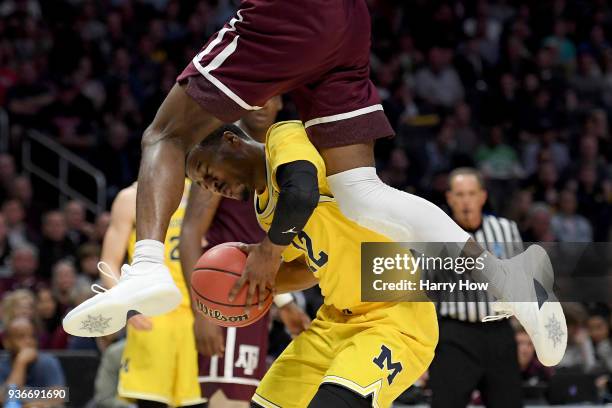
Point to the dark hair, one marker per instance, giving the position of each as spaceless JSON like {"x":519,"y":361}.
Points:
{"x":214,"y":139}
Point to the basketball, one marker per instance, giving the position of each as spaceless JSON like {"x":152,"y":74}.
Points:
{"x":214,"y":274}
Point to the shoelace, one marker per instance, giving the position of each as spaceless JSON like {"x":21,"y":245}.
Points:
{"x":104,"y":269}
{"x":503,"y":312}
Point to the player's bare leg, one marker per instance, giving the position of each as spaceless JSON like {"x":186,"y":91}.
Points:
{"x":524,"y":282}
{"x":146,"y":286}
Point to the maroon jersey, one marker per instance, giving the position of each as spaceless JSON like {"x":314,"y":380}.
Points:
{"x":234,"y":221}
{"x":243,"y":364}
{"x":239,"y":370}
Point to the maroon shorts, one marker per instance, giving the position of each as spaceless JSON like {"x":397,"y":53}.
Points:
{"x":318,"y":50}
{"x":239,"y":370}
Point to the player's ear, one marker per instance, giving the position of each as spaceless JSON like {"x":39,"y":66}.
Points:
{"x":231,"y":138}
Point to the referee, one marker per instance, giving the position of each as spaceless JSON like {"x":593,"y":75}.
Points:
{"x":472,"y":355}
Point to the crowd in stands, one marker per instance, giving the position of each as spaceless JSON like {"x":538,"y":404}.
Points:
{"x":520,"y":89}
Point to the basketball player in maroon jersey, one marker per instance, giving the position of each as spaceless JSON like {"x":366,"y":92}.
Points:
{"x":232,"y":360}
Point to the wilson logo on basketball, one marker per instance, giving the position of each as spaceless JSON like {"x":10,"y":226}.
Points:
{"x":217,"y":315}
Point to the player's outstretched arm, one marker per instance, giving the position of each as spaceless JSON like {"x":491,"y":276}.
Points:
{"x":294,"y":276}
{"x":179,"y":124}
{"x":297,"y":200}
{"x":114,"y":246}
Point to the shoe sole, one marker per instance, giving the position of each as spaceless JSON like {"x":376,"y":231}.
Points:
{"x":104,"y":315}
{"x":552,"y":327}
{"x":552,"y":330}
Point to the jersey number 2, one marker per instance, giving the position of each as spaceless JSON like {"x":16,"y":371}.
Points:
{"x":322,"y":256}
{"x":174,"y":252}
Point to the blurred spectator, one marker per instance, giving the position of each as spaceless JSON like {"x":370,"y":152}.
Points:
{"x":465,"y":134}
{"x":546,"y":144}
{"x":24,"y":265}
{"x":539,"y":224}
{"x":5,"y":249}
{"x":26,"y":366}
{"x":438,"y":83}
{"x":116,"y":159}
{"x":440,"y":151}
{"x":18,"y":231}
{"x":88,"y":256}
{"x":503,"y":103}
{"x":395,"y":172}
{"x":79,"y":230}
{"x":7,"y":175}
{"x":589,"y":155}
{"x":532,"y":371}
{"x":500,"y":166}
{"x":588,"y":80}
{"x":28,"y":7}
{"x":598,"y":325}
{"x":539,"y":115}
{"x":519,"y":208}
{"x":471,"y":65}
{"x":21,"y":190}
{"x":594,"y":199}
{"x":72,"y":118}
{"x":28,"y":97}
{"x":544,"y":184}
{"x":52,"y":335}
{"x":566,"y":224}
{"x":100,"y":227}
{"x":580,"y":354}
{"x":18,"y":304}
{"x":55,"y":244}
{"x":565,"y":50}
{"x":91,"y":87}
{"x":65,"y":285}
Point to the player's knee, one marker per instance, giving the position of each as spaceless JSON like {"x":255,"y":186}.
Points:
{"x":332,"y":395}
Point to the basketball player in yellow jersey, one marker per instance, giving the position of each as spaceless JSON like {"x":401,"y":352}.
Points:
{"x":355,"y":354}
{"x":159,"y":366}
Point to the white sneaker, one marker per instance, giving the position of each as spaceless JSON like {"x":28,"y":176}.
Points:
{"x":146,"y":287}
{"x":528,"y":295}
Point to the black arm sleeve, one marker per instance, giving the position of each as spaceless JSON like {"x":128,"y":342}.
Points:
{"x":298,"y":198}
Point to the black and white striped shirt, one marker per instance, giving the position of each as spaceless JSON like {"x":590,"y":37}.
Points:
{"x":501,"y":237}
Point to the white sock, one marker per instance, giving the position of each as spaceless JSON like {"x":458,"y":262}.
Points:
{"x":148,"y":250}
{"x":404,"y":217}
{"x":365,"y":199}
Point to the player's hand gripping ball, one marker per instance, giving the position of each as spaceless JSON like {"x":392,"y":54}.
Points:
{"x":213,"y":276}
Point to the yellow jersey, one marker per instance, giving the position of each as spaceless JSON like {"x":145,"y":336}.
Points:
{"x":329,"y":242}
{"x":171,"y":246}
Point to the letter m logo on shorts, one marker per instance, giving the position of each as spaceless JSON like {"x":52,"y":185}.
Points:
{"x":384,"y":359}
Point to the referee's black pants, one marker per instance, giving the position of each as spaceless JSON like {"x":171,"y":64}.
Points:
{"x":473,"y":356}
